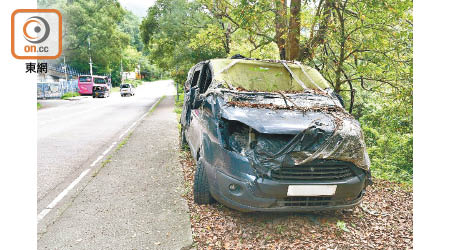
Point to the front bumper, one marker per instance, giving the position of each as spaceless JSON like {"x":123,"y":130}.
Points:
{"x":258,"y":194}
{"x":99,"y":93}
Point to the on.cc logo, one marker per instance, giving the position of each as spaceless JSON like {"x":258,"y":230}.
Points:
{"x":36,"y":34}
{"x":40,"y":27}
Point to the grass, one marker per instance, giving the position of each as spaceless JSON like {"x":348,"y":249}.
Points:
{"x":179,"y":103}
{"x":156,"y":105}
{"x":115,"y":89}
{"x":179,"y":107}
{"x":69,"y":95}
{"x":39,"y":106}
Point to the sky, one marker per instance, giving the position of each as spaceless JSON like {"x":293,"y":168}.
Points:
{"x":138,"y":7}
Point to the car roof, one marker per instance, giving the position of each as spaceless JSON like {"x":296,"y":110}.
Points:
{"x":261,"y":75}
{"x":93,"y":76}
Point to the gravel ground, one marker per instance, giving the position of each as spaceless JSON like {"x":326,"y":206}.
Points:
{"x":384,"y":220}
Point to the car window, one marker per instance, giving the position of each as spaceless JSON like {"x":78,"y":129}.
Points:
{"x":195,"y":78}
{"x":205,"y":79}
{"x":99,"y":80}
{"x":125,"y":86}
{"x":85,"y":78}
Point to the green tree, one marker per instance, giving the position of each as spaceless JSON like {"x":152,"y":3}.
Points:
{"x":167,"y":32}
{"x":130,"y":26}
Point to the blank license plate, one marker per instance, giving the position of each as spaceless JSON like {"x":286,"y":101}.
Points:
{"x":311,"y":190}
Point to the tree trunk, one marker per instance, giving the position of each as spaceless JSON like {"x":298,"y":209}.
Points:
{"x":294,"y":30}
{"x":227,"y":33}
{"x":316,"y":38}
{"x":280,"y":27}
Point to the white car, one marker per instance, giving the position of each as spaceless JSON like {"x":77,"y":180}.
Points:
{"x":127,"y":89}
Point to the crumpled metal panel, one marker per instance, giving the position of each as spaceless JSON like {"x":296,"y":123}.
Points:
{"x":311,"y":127}
{"x":275,"y":121}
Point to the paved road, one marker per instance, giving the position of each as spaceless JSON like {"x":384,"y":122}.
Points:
{"x":72,"y":135}
{"x":134,"y":200}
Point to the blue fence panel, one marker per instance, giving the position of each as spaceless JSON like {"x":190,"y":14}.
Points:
{"x":47,"y":90}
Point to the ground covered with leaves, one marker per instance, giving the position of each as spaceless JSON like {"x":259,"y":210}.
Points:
{"x":384,"y":220}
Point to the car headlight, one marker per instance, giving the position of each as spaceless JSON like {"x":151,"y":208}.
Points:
{"x":237,"y":136}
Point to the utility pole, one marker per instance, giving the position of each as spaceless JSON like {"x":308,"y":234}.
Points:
{"x":177,"y":84}
{"x":65,"y":68}
{"x":121,"y":71}
{"x":65,"y":72}
{"x":90,"y":59}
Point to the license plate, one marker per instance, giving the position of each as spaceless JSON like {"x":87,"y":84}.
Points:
{"x":311,"y":190}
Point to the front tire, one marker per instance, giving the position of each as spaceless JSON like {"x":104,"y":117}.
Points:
{"x":183,"y":141}
{"x":202,"y":194}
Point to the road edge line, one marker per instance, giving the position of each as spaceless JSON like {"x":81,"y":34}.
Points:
{"x":128,"y":131}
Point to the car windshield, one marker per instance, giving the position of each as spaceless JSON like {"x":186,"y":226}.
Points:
{"x":99,"y":80}
{"x":85,"y":78}
{"x":125,"y":86}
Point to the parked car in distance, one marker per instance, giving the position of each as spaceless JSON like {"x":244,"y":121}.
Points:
{"x":271,"y":135}
{"x":101,"y":87}
{"x":127,"y":89}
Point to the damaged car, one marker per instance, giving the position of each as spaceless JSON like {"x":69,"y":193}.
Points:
{"x":271,"y":135}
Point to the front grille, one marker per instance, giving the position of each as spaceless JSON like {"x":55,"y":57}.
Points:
{"x":315,"y":201}
{"x":305,"y":201}
{"x":323,"y":171}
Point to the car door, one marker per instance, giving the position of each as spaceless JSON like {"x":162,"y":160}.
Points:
{"x":194,"y":111}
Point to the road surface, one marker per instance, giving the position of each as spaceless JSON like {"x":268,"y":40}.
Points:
{"x":72,"y":135}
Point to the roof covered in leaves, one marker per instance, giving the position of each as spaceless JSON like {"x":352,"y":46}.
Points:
{"x":265,"y":75}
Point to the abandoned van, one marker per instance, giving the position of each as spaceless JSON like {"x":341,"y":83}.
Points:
{"x":271,"y":136}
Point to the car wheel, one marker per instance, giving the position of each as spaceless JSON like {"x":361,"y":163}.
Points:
{"x":201,"y":187}
{"x":183,"y":141}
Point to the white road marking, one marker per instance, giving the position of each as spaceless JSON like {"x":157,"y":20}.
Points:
{"x":65,"y":191}
{"x":98,"y":159}
{"x":60,"y":196}
{"x":110,"y":147}
{"x":43,"y":213}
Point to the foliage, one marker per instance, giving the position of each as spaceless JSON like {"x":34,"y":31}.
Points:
{"x":135,"y":83}
{"x":130,"y":25}
{"x":69,"y":95}
{"x":113,"y":33}
{"x":179,"y":103}
{"x":167,"y":32}
{"x":97,"y":22}
{"x":342,"y":226}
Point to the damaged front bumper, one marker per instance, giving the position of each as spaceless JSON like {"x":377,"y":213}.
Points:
{"x":236,"y":185}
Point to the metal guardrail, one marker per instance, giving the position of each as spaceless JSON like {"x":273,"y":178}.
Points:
{"x":46,"y":90}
